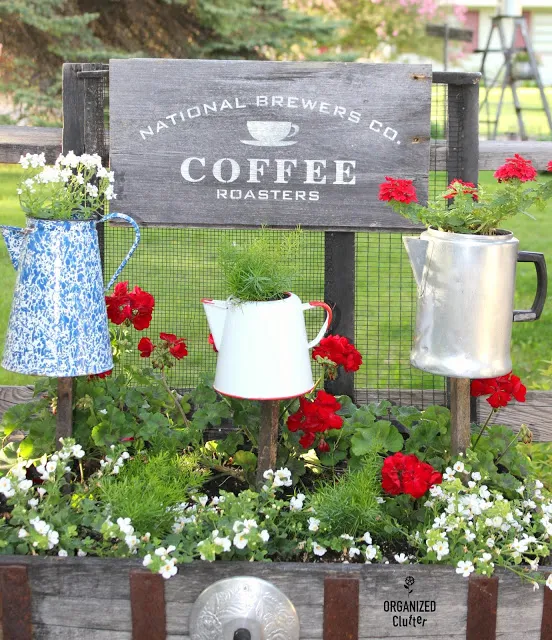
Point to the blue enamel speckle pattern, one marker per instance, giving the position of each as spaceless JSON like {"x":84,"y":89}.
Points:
{"x":58,"y":322}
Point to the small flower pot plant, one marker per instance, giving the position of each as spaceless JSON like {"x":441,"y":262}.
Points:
{"x":259,"y":331}
{"x":58,"y":248}
{"x":465,"y":264}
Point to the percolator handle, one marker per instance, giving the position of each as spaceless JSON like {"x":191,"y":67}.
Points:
{"x":133,"y":223}
{"x":313,"y":305}
{"x":535,"y":311}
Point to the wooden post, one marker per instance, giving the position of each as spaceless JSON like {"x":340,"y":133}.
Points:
{"x":268,"y":437}
{"x":64,"y":415}
{"x":460,"y":408}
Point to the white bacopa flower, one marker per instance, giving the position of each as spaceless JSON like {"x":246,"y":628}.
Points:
{"x":6,"y":487}
{"x":549,"y":581}
{"x":490,"y":542}
{"x":520,"y":489}
{"x":319,"y":550}
{"x":92,"y":190}
{"x":265,"y":536}
{"x":486,"y":557}
{"x":484,"y":492}
{"x":436,"y":491}
{"x":371,"y":552}
{"x":470,"y":536}
{"x":53,"y":539}
{"x":458,"y":467}
{"x":77,"y":451}
{"x":203,"y":500}
{"x":353,"y":551}
{"x":539,"y":484}
{"x":131,"y":542}
{"x":282,"y":478}
{"x":441,"y":548}
{"x":33,"y":502}
{"x":464,"y":568}
{"x":102,"y":172}
{"x":449,"y":474}
{"x":314,"y":524}
{"x":109,"y":193}
{"x":125,"y":526}
{"x":268,"y":474}
{"x":81,"y":553}
{"x":476,"y":476}
{"x":296,"y":502}
{"x":79,"y":178}
{"x":168,"y":569}
{"x":240,"y":541}
{"x":25,"y":485}
{"x":115,"y":470}
{"x":224,"y":543}
{"x":401,"y":558}
{"x":19,"y":471}
{"x":40,"y":526}
{"x":346,"y":536}
{"x":147,"y":560}
{"x":380,"y":500}
{"x":62,"y":553}
{"x":22,"y":533}
{"x":367,"y":538}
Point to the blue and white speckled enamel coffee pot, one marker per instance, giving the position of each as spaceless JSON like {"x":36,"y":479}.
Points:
{"x":58,"y":322}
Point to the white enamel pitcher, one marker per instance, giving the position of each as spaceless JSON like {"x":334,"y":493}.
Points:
{"x":263,"y":349}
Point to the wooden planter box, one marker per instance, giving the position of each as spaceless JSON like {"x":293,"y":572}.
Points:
{"x":113,"y":599}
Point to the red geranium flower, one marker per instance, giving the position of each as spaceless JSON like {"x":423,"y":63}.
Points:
{"x":177,"y":346}
{"x":136,"y":306}
{"x":516,"y":168}
{"x":397,"y":190}
{"x":315,"y":416}
{"x":459,"y":186}
{"x":340,"y":350}
{"x":103,"y":375}
{"x":212,"y":343}
{"x":549,"y":166}
{"x":408,"y":474}
{"x":323,"y":446}
{"x":501,"y":390}
{"x":146,"y":347}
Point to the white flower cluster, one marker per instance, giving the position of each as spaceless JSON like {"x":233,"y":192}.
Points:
{"x":161,"y":556}
{"x":277,"y":479}
{"x":476,"y":527}
{"x":112,"y":464}
{"x":32,"y":160}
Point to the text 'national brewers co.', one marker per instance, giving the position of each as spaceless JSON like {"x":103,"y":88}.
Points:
{"x":256,"y":174}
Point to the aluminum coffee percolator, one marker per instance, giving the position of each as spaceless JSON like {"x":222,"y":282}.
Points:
{"x":465,"y":306}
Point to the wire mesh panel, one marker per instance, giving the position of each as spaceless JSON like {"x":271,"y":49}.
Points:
{"x":178,"y":266}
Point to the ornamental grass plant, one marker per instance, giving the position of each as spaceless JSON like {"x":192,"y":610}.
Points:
{"x":262,"y":270}
{"x":470,"y":209}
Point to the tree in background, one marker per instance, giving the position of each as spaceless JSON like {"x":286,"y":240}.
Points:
{"x":39,"y":35}
{"x":379,"y":30}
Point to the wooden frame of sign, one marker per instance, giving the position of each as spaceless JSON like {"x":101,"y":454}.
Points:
{"x":241,"y":144}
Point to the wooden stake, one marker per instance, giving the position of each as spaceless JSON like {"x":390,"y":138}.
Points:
{"x":460,"y":414}
{"x":268,"y":438}
{"x":64,"y":415}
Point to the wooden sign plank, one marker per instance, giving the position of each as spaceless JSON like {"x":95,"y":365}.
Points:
{"x":243,"y":143}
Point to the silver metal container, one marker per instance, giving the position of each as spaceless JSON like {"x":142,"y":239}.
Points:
{"x":466,"y":301}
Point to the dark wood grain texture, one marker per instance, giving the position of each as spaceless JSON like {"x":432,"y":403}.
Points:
{"x":268,"y":438}
{"x":15,"y":603}
{"x":341,"y":608}
{"x":17,"y":141}
{"x":354,"y":132}
{"x":482,"y":608}
{"x":339,"y":293}
{"x":64,"y":415}
{"x":546,"y":623}
{"x":147,"y":601}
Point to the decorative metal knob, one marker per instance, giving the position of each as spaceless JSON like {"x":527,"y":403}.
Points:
{"x":243,"y":608}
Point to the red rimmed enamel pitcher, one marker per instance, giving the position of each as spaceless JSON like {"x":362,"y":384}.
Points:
{"x":263,"y":349}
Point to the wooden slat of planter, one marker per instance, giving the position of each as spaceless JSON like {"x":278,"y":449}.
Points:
{"x":341,"y":608}
{"x":15,"y":603}
{"x":147,"y":601}
{"x":546,"y":622}
{"x":515,"y":596}
{"x":42,"y":632}
{"x":101,"y":614}
{"x":482,"y":608}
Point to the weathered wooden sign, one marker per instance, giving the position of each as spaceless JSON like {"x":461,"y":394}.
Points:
{"x":240,"y":143}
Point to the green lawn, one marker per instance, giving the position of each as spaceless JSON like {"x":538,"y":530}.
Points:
{"x":178,"y":267}
{"x":535,"y":122}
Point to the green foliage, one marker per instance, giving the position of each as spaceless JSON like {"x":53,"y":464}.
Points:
{"x":349,"y":505}
{"x":263,"y":269}
{"x":39,"y":35}
{"x":146,"y":489}
{"x":483,"y":216}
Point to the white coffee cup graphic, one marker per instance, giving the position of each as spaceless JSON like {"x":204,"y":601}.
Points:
{"x":271,"y":133}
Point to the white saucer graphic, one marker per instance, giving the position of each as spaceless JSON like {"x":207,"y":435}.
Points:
{"x":258,"y":143}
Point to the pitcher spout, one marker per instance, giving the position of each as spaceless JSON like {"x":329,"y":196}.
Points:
{"x":215,"y":310}
{"x":416,"y":248}
{"x":13,"y":237}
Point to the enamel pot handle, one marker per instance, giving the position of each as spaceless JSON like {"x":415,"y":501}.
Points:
{"x":128,"y":219}
{"x":542,"y":281}
{"x":313,"y":305}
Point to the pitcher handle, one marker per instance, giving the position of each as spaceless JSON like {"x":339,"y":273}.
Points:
{"x":542,"y":282}
{"x":312,"y":305}
{"x":128,"y":219}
